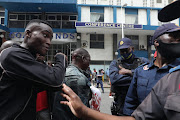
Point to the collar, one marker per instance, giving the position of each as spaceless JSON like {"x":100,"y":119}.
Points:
{"x":82,"y":71}
{"x":175,"y":63}
{"x":19,"y":46}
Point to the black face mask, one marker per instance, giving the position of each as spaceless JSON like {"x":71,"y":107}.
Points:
{"x":169,"y":50}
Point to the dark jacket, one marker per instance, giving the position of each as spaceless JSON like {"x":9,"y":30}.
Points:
{"x":21,"y":77}
{"x":163,"y":102}
{"x":144,"y":79}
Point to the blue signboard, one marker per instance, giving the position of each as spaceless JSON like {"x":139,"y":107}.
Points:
{"x":108,"y":25}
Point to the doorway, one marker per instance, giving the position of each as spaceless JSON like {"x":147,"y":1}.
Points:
{"x":66,"y":48}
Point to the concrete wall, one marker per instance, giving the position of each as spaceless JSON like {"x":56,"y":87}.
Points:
{"x":108,"y":15}
{"x":142,"y":16}
{"x":154,"y":17}
{"x":100,"y":54}
{"x":120,"y":16}
{"x":85,"y":14}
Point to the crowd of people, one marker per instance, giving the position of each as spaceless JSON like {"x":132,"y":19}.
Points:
{"x":33,"y":89}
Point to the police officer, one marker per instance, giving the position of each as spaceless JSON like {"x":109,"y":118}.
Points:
{"x":147,"y":75}
{"x":121,"y":73}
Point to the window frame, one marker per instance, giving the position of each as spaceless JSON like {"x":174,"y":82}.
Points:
{"x":96,"y":41}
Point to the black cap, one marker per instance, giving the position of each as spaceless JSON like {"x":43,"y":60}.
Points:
{"x":124,"y":43}
{"x":170,"y":12}
{"x":165,"y":28}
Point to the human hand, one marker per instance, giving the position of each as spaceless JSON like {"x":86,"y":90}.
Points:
{"x":59,"y":53}
{"x":124,"y":71}
{"x":74,"y":102}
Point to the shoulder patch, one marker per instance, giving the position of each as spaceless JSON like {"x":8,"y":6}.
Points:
{"x":174,"y":69}
{"x":144,"y":64}
{"x":145,"y":67}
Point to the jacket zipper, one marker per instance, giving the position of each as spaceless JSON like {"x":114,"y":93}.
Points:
{"x":25,"y":105}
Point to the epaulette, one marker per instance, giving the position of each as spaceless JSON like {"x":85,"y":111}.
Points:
{"x":143,"y":65}
{"x":174,"y":69}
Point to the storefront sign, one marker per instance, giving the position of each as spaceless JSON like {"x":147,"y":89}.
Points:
{"x":108,"y":25}
{"x":61,"y":37}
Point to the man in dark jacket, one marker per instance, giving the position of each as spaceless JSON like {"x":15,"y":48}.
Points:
{"x":22,"y":74}
{"x":121,"y":73}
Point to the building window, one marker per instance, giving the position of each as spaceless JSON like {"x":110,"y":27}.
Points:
{"x":97,"y":14}
{"x":135,"y":41}
{"x":159,"y":1}
{"x":1,"y":13}
{"x":97,"y":41}
{"x":59,"y":20}
{"x":2,"y":21}
{"x":13,"y":17}
{"x":131,"y":16}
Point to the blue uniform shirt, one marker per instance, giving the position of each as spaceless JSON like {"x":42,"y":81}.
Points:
{"x":145,"y":77}
{"x":119,"y":79}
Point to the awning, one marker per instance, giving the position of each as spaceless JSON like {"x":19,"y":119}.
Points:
{"x":40,"y":5}
{"x":4,"y":28}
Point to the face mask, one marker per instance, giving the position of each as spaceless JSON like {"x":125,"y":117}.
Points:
{"x":169,"y":50}
{"x":127,"y":56}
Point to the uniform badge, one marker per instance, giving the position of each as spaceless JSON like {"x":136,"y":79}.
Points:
{"x":121,"y":43}
{"x":145,"y":67}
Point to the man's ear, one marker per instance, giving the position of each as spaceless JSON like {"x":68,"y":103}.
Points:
{"x":156,"y":43}
{"x":83,"y":58}
{"x":133,"y":48}
{"x":28,"y":33}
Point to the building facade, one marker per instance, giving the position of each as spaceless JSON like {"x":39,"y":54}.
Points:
{"x":100,"y":27}
{"x":95,"y":25}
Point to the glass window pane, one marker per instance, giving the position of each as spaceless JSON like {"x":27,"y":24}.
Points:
{"x":1,"y":13}
{"x":66,"y":24}
{"x":2,"y":20}
{"x":99,"y":45}
{"x":13,"y":17}
{"x":97,"y":17}
{"x":100,"y":37}
{"x":21,"y":17}
{"x":65,"y":17}
{"x":16,"y":24}
{"x":72,"y":17}
{"x":58,"y":17}
{"x":131,"y":19}
{"x":93,"y":37}
{"x":52,"y":17}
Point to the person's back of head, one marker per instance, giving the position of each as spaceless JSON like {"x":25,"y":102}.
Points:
{"x":81,"y":58}
{"x":6,"y":44}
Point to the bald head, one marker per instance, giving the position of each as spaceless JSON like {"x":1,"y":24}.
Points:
{"x":80,"y":52}
{"x":81,"y":58}
{"x":6,"y":45}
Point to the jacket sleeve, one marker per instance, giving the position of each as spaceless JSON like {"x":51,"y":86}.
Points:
{"x":131,"y":101}
{"x":150,"y":109}
{"x":21,"y":65}
{"x":117,"y":78}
